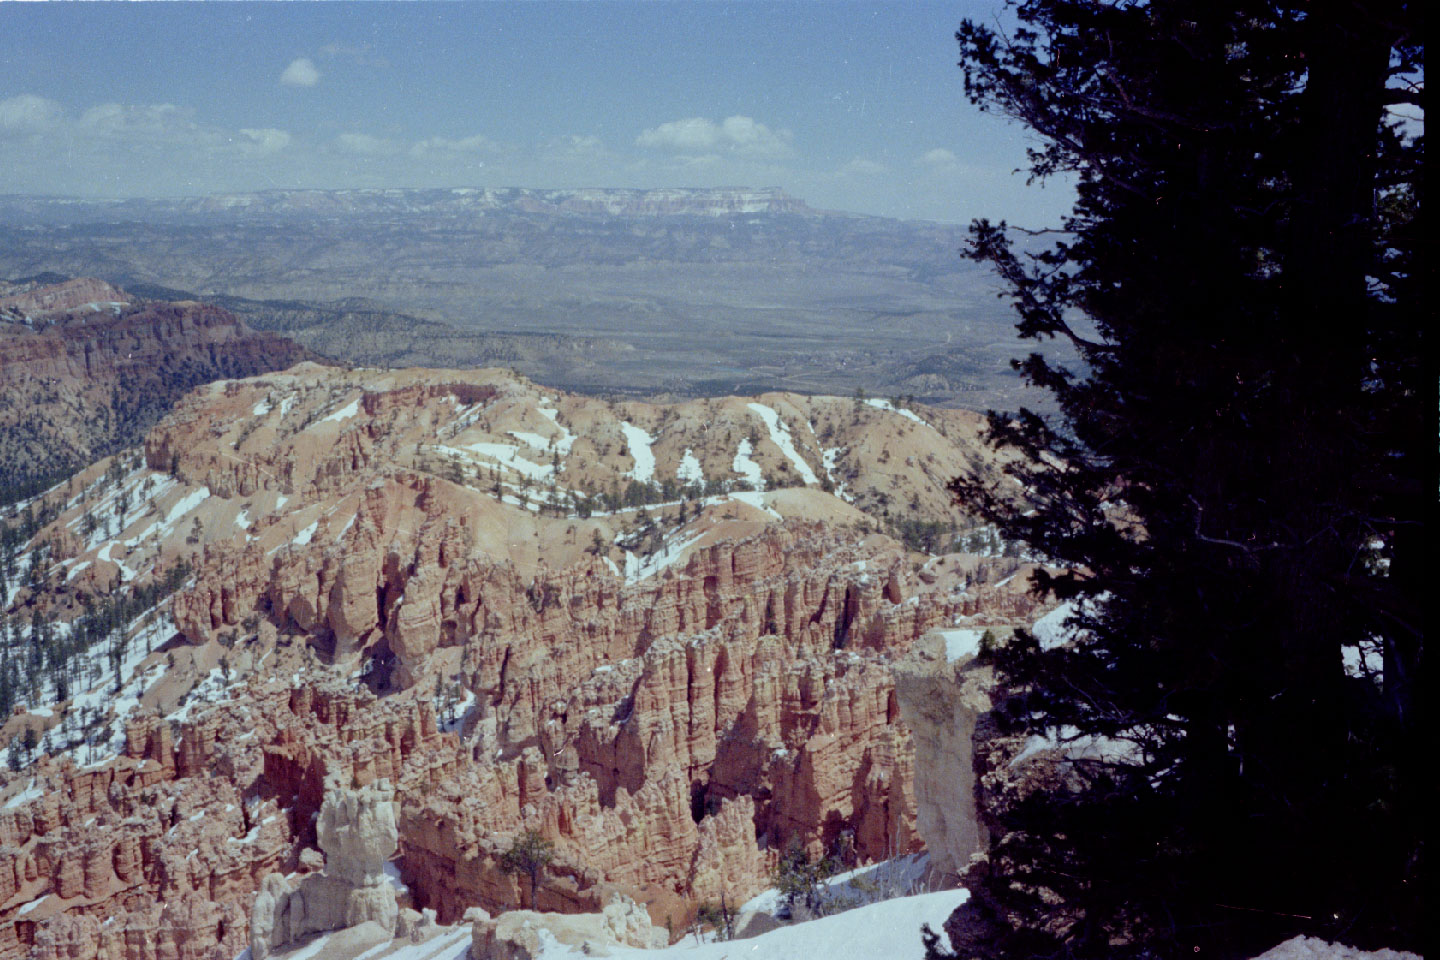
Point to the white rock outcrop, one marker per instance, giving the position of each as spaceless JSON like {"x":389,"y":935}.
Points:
{"x":357,"y":832}
{"x":516,"y":934}
{"x":940,"y":701}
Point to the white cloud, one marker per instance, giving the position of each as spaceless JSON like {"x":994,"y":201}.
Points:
{"x":29,"y":112}
{"x":937,"y":158}
{"x":756,"y":139}
{"x":118,"y":149}
{"x":266,"y":140}
{"x":108,"y":125}
{"x":575,"y":147}
{"x":148,"y":119}
{"x":861,"y":167}
{"x":365,"y":145}
{"x":693,"y":135}
{"x":360,"y":53}
{"x":300,"y":73}
{"x":445,"y":147}
{"x":742,"y":136}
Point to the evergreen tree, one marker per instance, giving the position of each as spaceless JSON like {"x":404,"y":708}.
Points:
{"x":800,"y":880}
{"x":1251,"y":419}
{"x":529,"y":856}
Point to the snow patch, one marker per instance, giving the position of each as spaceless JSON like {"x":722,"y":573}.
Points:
{"x":1313,"y":948}
{"x":961,"y":643}
{"x":780,"y":436}
{"x":1364,"y":660}
{"x":392,"y":877}
{"x":533,"y":439}
{"x":186,"y":504}
{"x":31,"y":792}
{"x":566,"y":440}
{"x":1073,"y":746}
{"x":887,"y":405}
{"x":207,"y":691}
{"x":639,"y":568}
{"x":111,"y":697}
{"x":746,"y":467}
{"x":829,"y":459}
{"x":346,"y":529}
{"x":507,"y":455}
{"x":453,"y":944}
{"x":1052,"y":630}
{"x":639,"y":442}
{"x":689,"y":470}
{"x":461,"y":713}
{"x":890,"y":929}
{"x":755,"y":499}
{"x":126,"y":574}
{"x":884,"y":880}
{"x":344,"y":413}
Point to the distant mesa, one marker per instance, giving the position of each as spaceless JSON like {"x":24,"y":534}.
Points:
{"x":611,"y":202}
{"x":684,"y":291}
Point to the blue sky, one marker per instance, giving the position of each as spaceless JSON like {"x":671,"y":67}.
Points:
{"x":852,"y":106}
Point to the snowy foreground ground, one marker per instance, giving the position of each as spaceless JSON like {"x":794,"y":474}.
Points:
{"x":889,"y":930}
{"x":1308,"y":948}
{"x":881,"y":931}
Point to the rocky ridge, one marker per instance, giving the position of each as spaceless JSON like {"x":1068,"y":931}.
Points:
{"x":84,"y":371}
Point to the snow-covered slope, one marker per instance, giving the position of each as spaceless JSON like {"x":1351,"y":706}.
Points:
{"x":1312,"y":948}
{"x":889,"y":930}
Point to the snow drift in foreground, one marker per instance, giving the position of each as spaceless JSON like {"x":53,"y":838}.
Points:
{"x":1310,"y":948}
{"x":890,"y":929}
